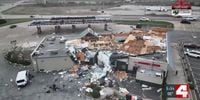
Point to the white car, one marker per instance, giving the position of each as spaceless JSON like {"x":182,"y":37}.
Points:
{"x":190,"y":18}
{"x":22,"y":78}
{"x":192,"y":53}
{"x":144,"y":19}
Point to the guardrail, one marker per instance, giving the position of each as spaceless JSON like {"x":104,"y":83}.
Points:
{"x":188,"y":73}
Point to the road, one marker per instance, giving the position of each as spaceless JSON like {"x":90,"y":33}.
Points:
{"x":137,"y":17}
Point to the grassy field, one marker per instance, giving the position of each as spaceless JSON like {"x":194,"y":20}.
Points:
{"x":146,"y":23}
{"x":53,"y":10}
{"x":14,"y":21}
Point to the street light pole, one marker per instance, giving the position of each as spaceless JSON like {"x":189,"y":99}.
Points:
{"x":152,"y":63}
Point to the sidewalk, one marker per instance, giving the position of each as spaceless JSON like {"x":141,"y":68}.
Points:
{"x":175,"y":65}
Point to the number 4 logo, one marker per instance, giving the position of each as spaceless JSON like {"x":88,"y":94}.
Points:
{"x":182,"y":90}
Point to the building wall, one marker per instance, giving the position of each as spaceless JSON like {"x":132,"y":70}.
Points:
{"x":56,"y":63}
{"x":133,"y":62}
{"x":151,"y":78}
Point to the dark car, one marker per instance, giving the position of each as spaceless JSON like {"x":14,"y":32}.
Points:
{"x":184,"y":21}
{"x":191,"y":45}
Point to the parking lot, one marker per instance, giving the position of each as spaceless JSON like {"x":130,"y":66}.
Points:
{"x":195,"y":65}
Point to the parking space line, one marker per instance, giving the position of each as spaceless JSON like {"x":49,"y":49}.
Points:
{"x":195,"y":67}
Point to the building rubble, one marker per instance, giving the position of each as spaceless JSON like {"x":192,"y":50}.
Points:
{"x":92,"y":56}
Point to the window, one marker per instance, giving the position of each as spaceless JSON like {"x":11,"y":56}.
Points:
{"x":142,"y":71}
{"x":158,"y":74}
{"x":195,"y":53}
{"x":41,"y":70}
{"x":19,"y":81}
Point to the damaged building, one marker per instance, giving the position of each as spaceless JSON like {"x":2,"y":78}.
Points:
{"x":148,"y":71}
{"x":51,"y":54}
{"x":89,"y":35}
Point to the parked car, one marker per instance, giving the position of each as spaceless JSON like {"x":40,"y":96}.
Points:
{"x":63,"y":39}
{"x":144,"y":19}
{"x":22,"y":78}
{"x":190,"y":18}
{"x":13,"y":26}
{"x":191,"y":45}
{"x":192,"y":53}
{"x":32,"y":16}
{"x":184,"y":21}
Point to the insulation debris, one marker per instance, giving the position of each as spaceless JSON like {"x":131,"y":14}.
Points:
{"x":151,"y":49}
{"x":124,"y":91}
{"x":97,"y":74}
{"x":129,"y":38}
{"x":80,"y":56}
{"x":74,"y":69}
{"x":106,"y":92}
{"x":120,"y":75}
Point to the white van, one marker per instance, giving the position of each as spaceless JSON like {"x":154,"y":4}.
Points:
{"x":22,"y":78}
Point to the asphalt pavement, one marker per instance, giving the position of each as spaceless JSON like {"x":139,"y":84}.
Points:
{"x":176,"y":37}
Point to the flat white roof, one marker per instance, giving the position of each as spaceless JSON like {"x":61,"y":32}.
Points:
{"x":21,"y":75}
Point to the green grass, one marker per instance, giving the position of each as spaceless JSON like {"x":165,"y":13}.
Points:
{"x":146,"y":23}
{"x":15,"y":21}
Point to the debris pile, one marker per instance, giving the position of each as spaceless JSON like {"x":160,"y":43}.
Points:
{"x":140,"y":42}
{"x":133,"y":46}
{"x":121,"y":75}
{"x":74,"y":69}
{"x":92,"y":54}
{"x":158,"y":31}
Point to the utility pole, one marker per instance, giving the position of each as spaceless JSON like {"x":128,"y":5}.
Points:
{"x":102,"y":7}
{"x":152,"y":64}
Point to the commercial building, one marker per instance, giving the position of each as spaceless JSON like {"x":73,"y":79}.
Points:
{"x":181,"y":8}
{"x":51,"y":54}
{"x":148,"y":71}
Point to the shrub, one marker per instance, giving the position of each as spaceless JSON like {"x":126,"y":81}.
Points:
{"x":96,"y":91}
{"x":13,"y":26}
{"x":191,"y":85}
{"x":2,"y":21}
{"x":189,"y":79}
{"x":13,"y":56}
{"x":138,"y":25}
